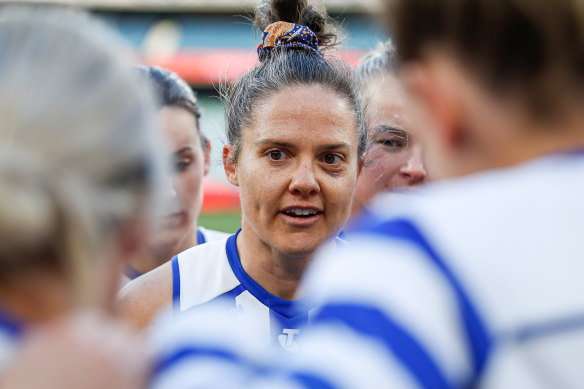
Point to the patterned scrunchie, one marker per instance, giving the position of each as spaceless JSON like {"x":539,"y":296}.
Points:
{"x":282,"y":34}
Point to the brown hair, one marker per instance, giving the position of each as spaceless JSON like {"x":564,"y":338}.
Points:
{"x":284,"y":68}
{"x":530,"y":48}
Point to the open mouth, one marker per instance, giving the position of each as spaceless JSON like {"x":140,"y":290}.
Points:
{"x":303,"y":213}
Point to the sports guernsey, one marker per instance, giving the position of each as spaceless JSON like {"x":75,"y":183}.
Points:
{"x":477,"y":282}
{"x":213,"y":271}
{"x":9,"y":333}
{"x":204,"y":235}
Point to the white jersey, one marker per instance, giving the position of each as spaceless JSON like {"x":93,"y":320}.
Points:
{"x":207,"y":273}
{"x":9,"y":334}
{"x":204,"y":235}
{"x":477,"y":283}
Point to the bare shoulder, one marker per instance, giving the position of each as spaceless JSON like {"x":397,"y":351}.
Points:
{"x":141,"y":299}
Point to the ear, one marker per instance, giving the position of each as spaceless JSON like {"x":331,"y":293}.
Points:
{"x":207,"y":156}
{"x":230,"y":164}
{"x":436,"y":89}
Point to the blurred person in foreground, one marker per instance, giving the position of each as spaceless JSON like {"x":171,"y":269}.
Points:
{"x":477,"y":283}
{"x":394,"y":154}
{"x":79,"y":165}
{"x":179,"y":113}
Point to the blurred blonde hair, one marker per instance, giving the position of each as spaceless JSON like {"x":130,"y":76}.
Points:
{"x":78,"y":155}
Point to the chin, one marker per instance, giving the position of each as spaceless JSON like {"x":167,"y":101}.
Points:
{"x":164,"y":243}
{"x":298,"y":247}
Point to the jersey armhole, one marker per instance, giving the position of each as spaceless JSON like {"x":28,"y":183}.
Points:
{"x":175,"y":284}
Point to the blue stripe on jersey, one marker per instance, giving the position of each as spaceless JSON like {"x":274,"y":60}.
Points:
{"x":372,"y":322}
{"x":200,"y":237}
{"x":476,"y":330}
{"x":205,"y":353}
{"x":551,"y":328}
{"x":311,"y":381}
{"x":175,"y":283}
{"x":285,"y":308}
{"x":192,"y":352}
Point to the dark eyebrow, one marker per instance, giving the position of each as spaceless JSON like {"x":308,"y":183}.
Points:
{"x":336,"y":146}
{"x":273,"y":142}
{"x":290,"y":145}
{"x":388,"y":129}
{"x":186,"y":148}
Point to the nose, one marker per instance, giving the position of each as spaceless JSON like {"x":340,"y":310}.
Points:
{"x":303,"y":181}
{"x":171,"y":185}
{"x":413,"y":170}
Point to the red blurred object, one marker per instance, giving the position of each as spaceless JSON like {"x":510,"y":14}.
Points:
{"x":220,"y":197}
{"x":212,"y":66}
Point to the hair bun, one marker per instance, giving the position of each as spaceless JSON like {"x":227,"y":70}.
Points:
{"x":298,"y":12}
{"x":290,"y":36}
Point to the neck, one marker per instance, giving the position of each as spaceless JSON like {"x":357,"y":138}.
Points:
{"x":34,"y":297}
{"x":158,"y":256}
{"x":513,"y":138}
{"x":356,"y":206}
{"x":277,"y":272}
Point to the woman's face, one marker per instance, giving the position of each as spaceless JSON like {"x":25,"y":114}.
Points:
{"x":185,"y":184}
{"x":297,"y":168}
{"x":394,"y":156}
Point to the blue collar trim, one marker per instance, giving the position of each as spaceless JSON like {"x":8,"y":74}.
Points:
{"x":283,"y":307}
{"x":200,"y":237}
{"x":9,"y":324}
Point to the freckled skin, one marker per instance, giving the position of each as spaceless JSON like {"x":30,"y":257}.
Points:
{"x":308,"y":119}
{"x":388,"y":164}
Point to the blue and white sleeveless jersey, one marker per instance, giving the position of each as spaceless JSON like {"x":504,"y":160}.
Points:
{"x":476,"y":283}
{"x":204,"y":235}
{"x":9,"y":334}
{"x":213,"y":271}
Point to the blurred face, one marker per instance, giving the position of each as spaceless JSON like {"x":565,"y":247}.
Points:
{"x":191,"y":162}
{"x":297,"y":168}
{"x":394,"y":157}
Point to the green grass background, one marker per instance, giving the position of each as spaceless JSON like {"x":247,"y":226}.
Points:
{"x":226,"y":222}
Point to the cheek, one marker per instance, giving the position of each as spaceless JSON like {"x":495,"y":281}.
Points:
{"x":339,"y":191}
{"x":380,"y":167}
{"x":189,"y":188}
{"x":258,"y":186}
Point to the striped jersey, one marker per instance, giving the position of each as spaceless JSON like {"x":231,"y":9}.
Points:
{"x":207,"y":273}
{"x":477,"y":282}
{"x":204,"y":235}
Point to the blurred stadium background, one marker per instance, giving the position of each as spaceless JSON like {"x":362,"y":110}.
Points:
{"x":208,"y":42}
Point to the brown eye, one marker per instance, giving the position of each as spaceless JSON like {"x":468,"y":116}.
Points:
{"x":331,"y":159}
{"x":276,"y":155}
{"x":182,"y":165}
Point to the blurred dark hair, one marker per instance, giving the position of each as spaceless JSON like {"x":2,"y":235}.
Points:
{"x":172,"y":91}
{"x":533,"y":49}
